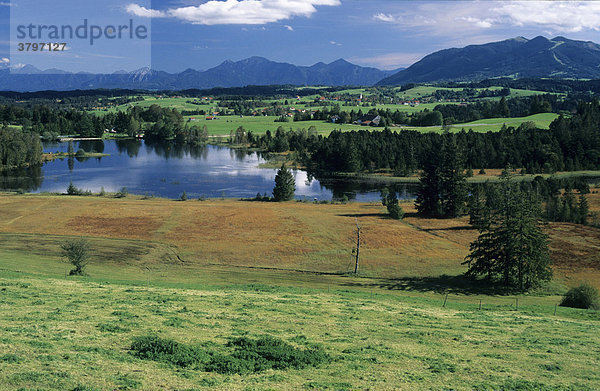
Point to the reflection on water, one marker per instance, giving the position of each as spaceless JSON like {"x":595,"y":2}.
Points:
{"x":27,"y":179}
{"x":168,"y":169}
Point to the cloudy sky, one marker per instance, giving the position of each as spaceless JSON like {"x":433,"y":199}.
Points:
{"x":386,"y":34}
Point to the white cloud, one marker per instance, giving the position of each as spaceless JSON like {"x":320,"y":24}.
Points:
{"x":385,"y":18}
{"x":567,"y":16}
{"x":254,"y":12}
{"x":335,"y":43}
{"x":143,"y":12}
{"x":4,"y":60}
{"x":466,"y":17}
{"x":485,"y":24}
{"x":4,"y":4}
{"x":289,"y":27}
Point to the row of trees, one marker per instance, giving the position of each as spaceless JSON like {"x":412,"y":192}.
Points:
{"x":570,"y":144}
{"x":567,"y":208}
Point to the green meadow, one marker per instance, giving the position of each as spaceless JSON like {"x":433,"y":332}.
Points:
{"x":77,"y":334}
{"x":259,"y":124}
{"x":200,"y":276}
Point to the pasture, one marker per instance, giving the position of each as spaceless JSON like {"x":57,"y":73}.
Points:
{"x":76,"y":334}
{"x":204,"y":272}
{"x":178,"y":240}
{"x":260,"y":124}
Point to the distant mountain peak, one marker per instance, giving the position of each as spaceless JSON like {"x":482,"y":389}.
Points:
{"x":519,"y":56}
{"x":340,"y":61}
{"x":254,"y":70}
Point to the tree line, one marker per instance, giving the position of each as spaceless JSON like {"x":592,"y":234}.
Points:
{"x":571,"y":144}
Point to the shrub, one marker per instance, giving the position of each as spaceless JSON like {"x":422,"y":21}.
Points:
{"x":248,"y":356}
{"x":121,"y":193}
{"x":76,"y":251}
{"x":166,"y":350}
{"x":583,"y":296}
{"x":275,"y":353}
{"x":80,"y":153}
{"x":72,"y":190}
{"x":183,"y":196}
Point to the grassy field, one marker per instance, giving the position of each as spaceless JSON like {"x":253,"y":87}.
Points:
{"x":259,"y":125}
{"x":185,"y":237}
{"x":76,"y":334}
{"x":203,"y":272}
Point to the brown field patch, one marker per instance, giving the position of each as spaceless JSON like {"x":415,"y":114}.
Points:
{"x":296,"y":236}
{"x":594,"y":200}
{"x":126,"y":227}
{"x":574,"y":246}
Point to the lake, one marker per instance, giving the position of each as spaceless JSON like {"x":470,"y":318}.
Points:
{"x":168,"y":169}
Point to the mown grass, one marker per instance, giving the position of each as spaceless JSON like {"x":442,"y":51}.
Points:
{"x":55,"y":335}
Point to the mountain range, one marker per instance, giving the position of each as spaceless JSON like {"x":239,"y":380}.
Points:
{"x":517,"y":57}
{"x":250,"y":71}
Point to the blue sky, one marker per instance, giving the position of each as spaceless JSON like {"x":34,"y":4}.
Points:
{"x":382,"y":33}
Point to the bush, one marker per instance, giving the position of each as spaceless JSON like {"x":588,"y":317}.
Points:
{"x":583,"y":296}
{"x":248,"y":356}
{"x":183,"y":196}
{"x":76,"y":251}
{"x":275,"y":353}
{"x":72,"y":190}
{"x":161,"y":349}
{"x":121,"y":193}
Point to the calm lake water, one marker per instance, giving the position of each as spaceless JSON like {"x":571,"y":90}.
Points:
{"x":168,"y":169}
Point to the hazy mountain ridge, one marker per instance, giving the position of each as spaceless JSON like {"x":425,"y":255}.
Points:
{"x":250,"y":71}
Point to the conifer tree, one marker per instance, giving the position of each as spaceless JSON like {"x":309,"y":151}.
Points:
{"x":453,"y":183}
{"x":583,"y":210}
{"x":512,"y":247}
{"x":442,"y":185}
{"x":391,"y":202}
{"x":285,"y":185}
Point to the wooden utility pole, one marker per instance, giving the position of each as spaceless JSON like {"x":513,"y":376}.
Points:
{"x":357,"y":246}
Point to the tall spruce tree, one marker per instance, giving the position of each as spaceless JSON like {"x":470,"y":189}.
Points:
{"x":285,"y":185}
{"x":391,"y":202}
{"x":512,"y":247}
{"x":453,"y":183}
{"x":476,"y":204}
{"x":442,"y":185}
{"x":428,"y":193}
{"x":583,"y":210}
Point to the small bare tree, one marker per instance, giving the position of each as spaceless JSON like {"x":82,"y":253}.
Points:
{"x":357,"y":246}
{"x":77,"y":253}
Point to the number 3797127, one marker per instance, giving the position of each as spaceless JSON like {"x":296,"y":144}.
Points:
{"x":41,"y":47}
